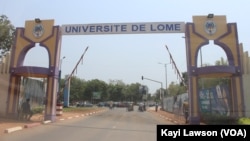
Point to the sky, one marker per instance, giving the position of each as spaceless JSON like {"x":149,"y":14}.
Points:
{"x":125,"y":57}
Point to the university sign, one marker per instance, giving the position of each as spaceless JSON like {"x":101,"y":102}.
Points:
{"x":123,"y":28}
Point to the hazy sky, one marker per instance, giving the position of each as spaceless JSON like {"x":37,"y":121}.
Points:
{"x":125,"y":57}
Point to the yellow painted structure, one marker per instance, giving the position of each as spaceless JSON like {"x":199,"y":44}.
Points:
{"x":246,"y":79}
{"x":48,"y":36}
{"x":223,"y":34}
{"x":4,"y":79}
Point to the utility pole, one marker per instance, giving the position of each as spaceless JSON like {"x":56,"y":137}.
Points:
{"x":160,"y":89}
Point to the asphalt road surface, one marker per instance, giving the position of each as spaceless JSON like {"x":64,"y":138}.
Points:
{"x":113,"y":125}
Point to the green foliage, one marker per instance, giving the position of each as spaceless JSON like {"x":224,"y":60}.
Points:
{"x":81,"y":90}
{"x":216,"y":119}
{"x":176,"y":89}
{"x":212,"y":82}
{"x":6,"y":34}
{"x":221,"y":62}
{"x":78,"y":109}
{"x":116,"y":93}
{"x":244,"y":121}
{"x":37,"y":110}
{"x":209,"y":82}
{"x":185,"y":79}
{"x":132,"y":92}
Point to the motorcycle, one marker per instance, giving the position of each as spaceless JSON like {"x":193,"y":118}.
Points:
{"x":141,"y":108}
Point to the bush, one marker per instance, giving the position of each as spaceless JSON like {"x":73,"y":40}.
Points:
{"x":244,"y":121}
{"x":37,"y":110}
{"x":215,"y":119}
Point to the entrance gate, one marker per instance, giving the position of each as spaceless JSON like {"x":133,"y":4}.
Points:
{"x":197,"y":34}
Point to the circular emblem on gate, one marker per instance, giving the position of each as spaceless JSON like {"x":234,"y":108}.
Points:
{"x":210,"y":27}
{"x":38,"y":30}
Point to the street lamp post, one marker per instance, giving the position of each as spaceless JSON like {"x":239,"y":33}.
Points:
{"x":60,"y":73}
{"x":166,"y":75}
{"x":60,"y":67}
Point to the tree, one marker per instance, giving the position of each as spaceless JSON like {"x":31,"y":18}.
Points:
{"x":115,"y":92}
{"x":221,"y":62}
{"x":157,"y":95}
{"x":77,"y":87}
{"x":213,"y":81}
{"x":92,"y":86}
{"x":6,"y":35}
{"x":184,"y":83}
{"x":81,"y":90}
{"x":132,"y":92}
{"x":176,"y":89}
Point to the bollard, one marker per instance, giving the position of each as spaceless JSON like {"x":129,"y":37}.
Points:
{"x":59,"y":109}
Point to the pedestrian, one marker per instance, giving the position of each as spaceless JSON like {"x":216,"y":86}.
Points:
{"x":144,"y":106}
{"x":26,"y":110}
{"x":156,"y":107}
{"x":111,"y":105}
{"x":185,"y":110}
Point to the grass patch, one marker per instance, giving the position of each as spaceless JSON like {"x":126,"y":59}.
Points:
{"x":40,"y":109}
{"x":79,"y":109}
{"x":244,"y":121}
{"x":216,"y":119}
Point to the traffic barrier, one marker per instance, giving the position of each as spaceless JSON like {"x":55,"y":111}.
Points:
{"x":59,"y":109}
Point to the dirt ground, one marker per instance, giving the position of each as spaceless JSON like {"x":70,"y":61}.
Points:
{"x":38,"y":118}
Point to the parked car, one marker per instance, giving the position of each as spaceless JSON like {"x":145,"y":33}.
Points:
{"x":151,"y":104}
{"x":84,"y":104}
{"x":88,"y":104}
{"x":101,"y":104}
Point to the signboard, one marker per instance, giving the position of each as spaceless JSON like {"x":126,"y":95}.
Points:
{"x":215,"y":100}
{"x":96,"y":95}
{"x":123,"y":28}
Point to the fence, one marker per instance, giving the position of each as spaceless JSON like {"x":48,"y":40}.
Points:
{"x":214,"y":100}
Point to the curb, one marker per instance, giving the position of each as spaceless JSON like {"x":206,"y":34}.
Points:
{"x":177,"y":122}
{"x":47,"y":121}
{"x":31,"y":125}
{"x":13,"y":129}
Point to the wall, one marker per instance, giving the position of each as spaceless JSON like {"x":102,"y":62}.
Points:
{"x":4,"y":82}
{"x":246,"y":79}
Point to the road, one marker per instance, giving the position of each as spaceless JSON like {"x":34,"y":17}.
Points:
{"x":112,"y":125}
